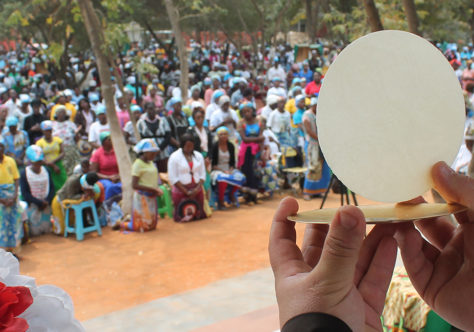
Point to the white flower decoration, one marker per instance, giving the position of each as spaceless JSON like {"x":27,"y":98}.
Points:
{"x":52,"y":309}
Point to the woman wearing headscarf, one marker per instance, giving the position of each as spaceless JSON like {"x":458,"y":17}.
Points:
{"x":252,"y":140}
{"x":37,"y":190}
{"x":145,"y":179}
{"x":153,"y":97}
{"x":67,"y":130}
{"x":104,"y":163}
{"x":318,"y":176}
{"x":186,"y":173}
{"x":213,"y":106}
{"x":11,"y":230}
{"x":16,"y":141}
{"x":224,"y":173}
{"x":177,"y":122}
{"x":52,"y":147}
{"x":202,"y":141}
{"x":156,"y":128}
{"x":195,"y":95}
{"x":128,"y":128}
{"x":78,"y":188}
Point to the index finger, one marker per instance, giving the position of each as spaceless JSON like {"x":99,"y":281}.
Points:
{"x":285,"y":256}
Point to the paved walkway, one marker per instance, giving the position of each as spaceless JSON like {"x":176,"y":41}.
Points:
{"x":225,"y":305}
{"x":216,"y":302}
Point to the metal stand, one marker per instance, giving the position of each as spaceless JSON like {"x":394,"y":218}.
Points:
{"x":344,"y":192}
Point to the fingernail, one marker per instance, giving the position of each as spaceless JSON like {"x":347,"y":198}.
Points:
{"x":347,"y":220}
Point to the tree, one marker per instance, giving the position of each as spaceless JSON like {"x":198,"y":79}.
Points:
{"x":49,"y":22}
{"x":312,"y":14}
{"x":412,"y":16}
{"x":96,"y":36}
{"x":182,"y":53}
{"x":373,"y":16}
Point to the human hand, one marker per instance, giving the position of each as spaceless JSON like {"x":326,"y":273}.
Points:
{"x":336,"y":271}
{"x":195,"y":191}
{"x":44,"y":205}
{"x":441,"y":267}
{"x":115,"y":178}
{"x":158,"y":192}
{"x":55,"y":168}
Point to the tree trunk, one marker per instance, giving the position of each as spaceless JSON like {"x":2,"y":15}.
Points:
{"x":412,"y":17}
{"x":472,"y":22}
{"x":310,"y":24}
{"x":118,"y":79}
{"x":373,"y":15}
{"x":173,"y":15}
{"x":96,"y":37}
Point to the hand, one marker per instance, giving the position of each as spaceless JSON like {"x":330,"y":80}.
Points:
{"x":336,"y":272}
{"x":55,"y":168}
{"x":115,"y":178}
{"x":195,"y":191}
{"x":44,"y":205}
{"x":441,"y":267}
{"x":158,"y":192}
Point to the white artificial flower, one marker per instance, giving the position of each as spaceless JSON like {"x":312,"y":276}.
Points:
{"x":52,"y":309}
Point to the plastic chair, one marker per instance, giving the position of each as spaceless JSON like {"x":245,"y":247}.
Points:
{"x":79,"y":228}
{"x":165,"y":203}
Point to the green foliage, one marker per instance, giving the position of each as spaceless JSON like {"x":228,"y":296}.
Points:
{"x":439,"y":20}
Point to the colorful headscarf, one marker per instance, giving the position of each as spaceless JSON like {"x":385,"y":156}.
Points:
{"x":146,"y":145}
{"x":136,"y":108}
{"x":174,"y":101}
{"x":103,"y":136}
{"x":224,"y":99}
{"x":100,"y":110}
{"x":12,"y":121}
{"x":247,"y":104}
{"x":34,"y":153}
{"x":46,"y":125}
{"x":86,"y":185}
{"x":222,"y":129}
{"x":195,"y":87}
{"x":216,"y":94}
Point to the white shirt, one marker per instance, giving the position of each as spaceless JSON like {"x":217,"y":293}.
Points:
{"x":202,"y":137}
{"x":220,"y":116}
{"x":178,"y":168}
{"x":276,"y":72}
{"x":39,"y":183}
{"x":12,"y":106}
{"x":277,"y":92}
{"x":279,"y":122}
{"x":265,"y":112}
{"x":210,"y":110}
{"x":95,"y":130}
{"x":21,"y":116}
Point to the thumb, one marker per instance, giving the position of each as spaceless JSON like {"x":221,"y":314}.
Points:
{"x":341,"y":248}
{"x":455,"y":188}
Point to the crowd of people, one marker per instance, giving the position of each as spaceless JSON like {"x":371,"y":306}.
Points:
{"x":246,"y":120}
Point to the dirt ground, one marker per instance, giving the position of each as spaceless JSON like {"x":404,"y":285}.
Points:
{"x":117,"y":270}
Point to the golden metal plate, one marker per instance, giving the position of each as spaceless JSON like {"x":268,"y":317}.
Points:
{"x":379,"y":214}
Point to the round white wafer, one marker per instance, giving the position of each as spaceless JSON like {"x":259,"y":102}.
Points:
{"x":390,"y":107}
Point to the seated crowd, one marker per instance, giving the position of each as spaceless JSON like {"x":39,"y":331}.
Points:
{"x":235,"y":138}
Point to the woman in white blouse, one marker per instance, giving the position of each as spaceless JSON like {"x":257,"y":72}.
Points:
{"x":187,"y":173}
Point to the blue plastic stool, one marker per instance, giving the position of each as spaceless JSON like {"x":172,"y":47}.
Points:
{"x":79,"y":228}
{"x":165,"y":203}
